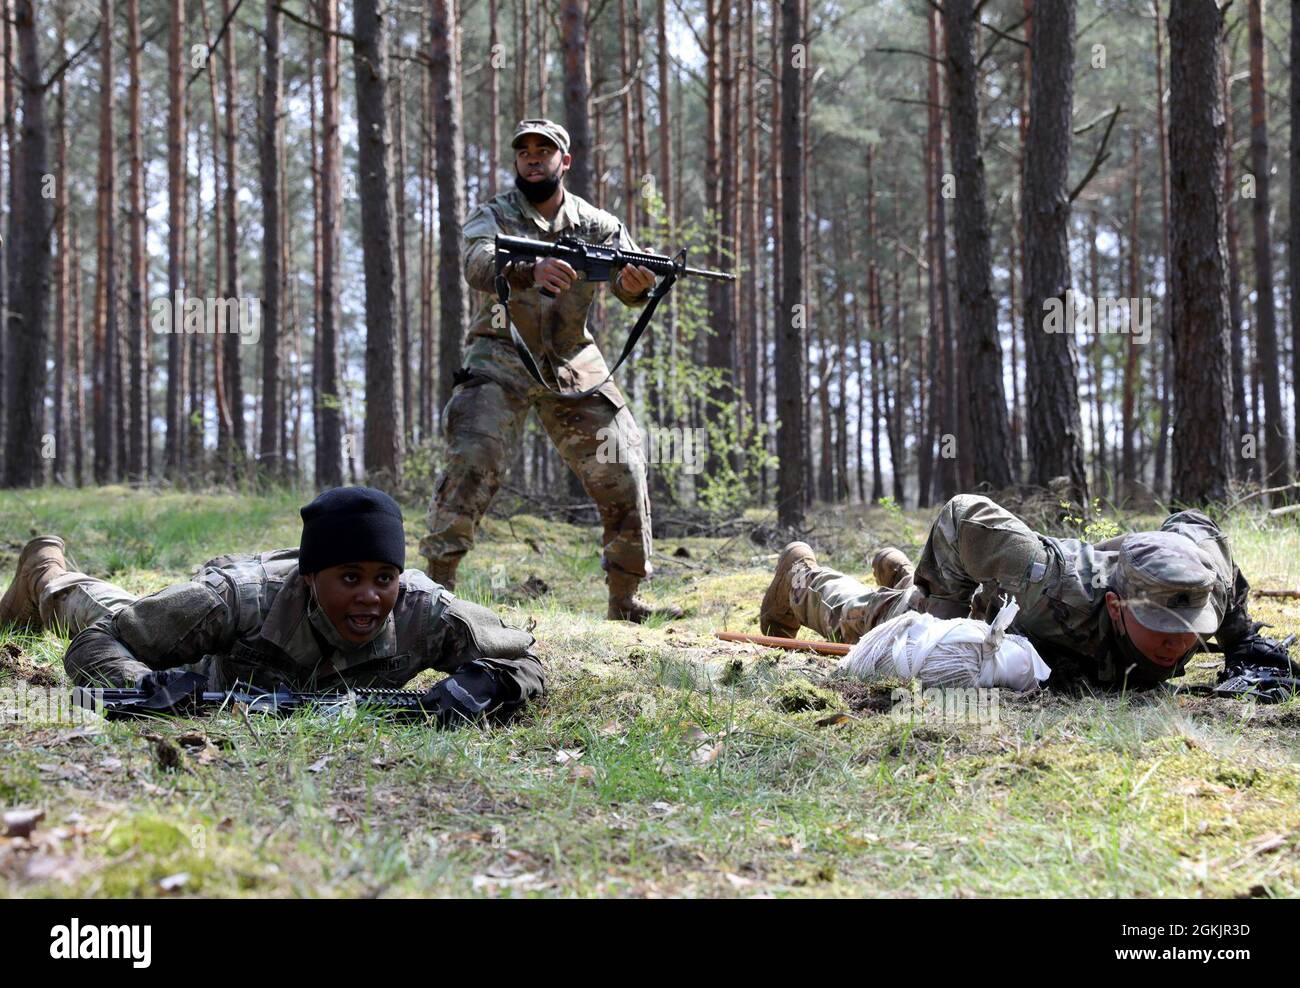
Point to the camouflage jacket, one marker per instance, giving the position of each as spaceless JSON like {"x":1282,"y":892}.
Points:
{"x":555,"y":330}
{"x":246,"y":618}
{"x":1063,"y":600}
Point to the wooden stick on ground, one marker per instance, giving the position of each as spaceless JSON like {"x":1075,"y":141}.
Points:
{"x":1275,"y":593}
{"x":792,"y":644}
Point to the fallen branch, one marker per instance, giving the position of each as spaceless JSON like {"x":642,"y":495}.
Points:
{"x":790,"y":644}
{"x":1275,"y":593}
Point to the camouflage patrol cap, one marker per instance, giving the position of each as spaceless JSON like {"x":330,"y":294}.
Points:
{"x":1167,"y":581}
{"x":549,"y":129}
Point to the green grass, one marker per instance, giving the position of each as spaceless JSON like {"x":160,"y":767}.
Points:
{"x":661,"y":762}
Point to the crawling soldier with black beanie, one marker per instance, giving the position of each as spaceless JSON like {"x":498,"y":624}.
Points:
{"x":341,"y":610}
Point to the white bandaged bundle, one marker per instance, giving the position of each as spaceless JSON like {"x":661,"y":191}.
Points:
{"x":952,"y":652}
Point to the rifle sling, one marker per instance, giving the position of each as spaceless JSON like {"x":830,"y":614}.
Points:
{"x":642,"y":323}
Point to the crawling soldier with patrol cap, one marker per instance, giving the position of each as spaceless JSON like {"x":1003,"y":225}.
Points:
{"x":1124,"y":613}
{"x":339,"y":610}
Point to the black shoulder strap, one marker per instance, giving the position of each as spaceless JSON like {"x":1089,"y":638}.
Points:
{"x":521,"y":348}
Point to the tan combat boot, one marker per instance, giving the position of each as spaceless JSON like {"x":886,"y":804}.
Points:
{"x":443,"y":571}
{"x":625,"y":605}
{"x":890,"y":567}
{"x":793,"y":567}
{"x":41,"y":560}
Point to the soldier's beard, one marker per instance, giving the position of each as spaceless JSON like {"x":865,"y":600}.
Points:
{"x":538,"y":191}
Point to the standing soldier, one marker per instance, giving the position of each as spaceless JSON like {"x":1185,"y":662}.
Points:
{"x":484,"y":420}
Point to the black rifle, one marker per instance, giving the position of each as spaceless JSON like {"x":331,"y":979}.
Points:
{"x":1264,"y":672}
{"x":597,"y":262}
{"x":187,"y":694}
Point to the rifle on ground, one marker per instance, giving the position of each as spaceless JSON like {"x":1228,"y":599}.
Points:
{"x":596,"y":262}
{"x":1266,"y":673}
{"x":187,"y":695}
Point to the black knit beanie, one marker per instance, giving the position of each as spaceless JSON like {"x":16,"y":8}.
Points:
{"x":351,"y":525}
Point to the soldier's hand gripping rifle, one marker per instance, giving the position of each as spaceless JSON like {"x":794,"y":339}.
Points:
{"x":187,"y":694}
{"x":596,"y":262}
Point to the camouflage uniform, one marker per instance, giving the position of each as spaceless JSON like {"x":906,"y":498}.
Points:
{"x":484,"y":420}
{"x":247,"y":618}
{"x":1060,"y":585}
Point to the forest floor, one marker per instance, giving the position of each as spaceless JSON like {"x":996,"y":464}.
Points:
{"x":662,"y":762}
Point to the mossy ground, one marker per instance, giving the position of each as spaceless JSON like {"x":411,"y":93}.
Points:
{"x":661,"y":763}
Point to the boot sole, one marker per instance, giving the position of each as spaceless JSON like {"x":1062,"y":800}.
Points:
{"x":32,"y":615}
{"x":769,"y":624}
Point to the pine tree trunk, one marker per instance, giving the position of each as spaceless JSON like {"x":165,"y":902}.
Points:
{"x":1166,"y":344}
{"x":1054,"y":428}
{"x":137,"y":384}
{"x":270,"y":451}
{"x":981,"y":398}
{"x":63,"y":263}
{"x":383,"y":425}
{"x":29,"y":278}
{"x":1202,"y":454}
{"x":791,"y":311}
{"x":175,"y":442}
{"x":1277,"y":454}
{"x":946,"y":477}
{"x":1132,"y":377}
{"x":7,"y":59}
{"x":105,"y":314}
{"x":233,"y":359}
{"x":1293,"y":255}
{"x":494,"y":101}
{"x":78,"y":405}
{"x":403,"y":279}
{"x":450,"y":173}
{"x":329,"y":435}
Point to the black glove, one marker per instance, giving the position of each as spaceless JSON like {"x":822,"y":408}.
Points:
{"x":152,"y":682}
{"x":471,"y":694}
{"x":1256,"y":650}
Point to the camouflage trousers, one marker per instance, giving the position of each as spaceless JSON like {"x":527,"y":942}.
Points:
{"x":73,"y":601}
{"x":596,"y":436}
{"x":973,"y":542}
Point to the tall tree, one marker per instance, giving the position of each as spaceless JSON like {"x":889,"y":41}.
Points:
{"x":329,"y":429}
{"x":63,"y":262}
{"x":270,"y":447}
{"x":1202,"y":454}
{"x":1166,"y":344}
{"x":1293,"y":255}
{"x":1277,"y":455}
{"x":138,"y":382}
{"x":383,"y":424}
{"x":981,"y":398}
{"x":232,"y":341}
{"x":106,"y":362}
{"x":403,"y":285}
{"x":29,"y":277}
{"x":1054,"y":428}
{"x":450,"y":172}
{"x":175,"y":442}
{"x":793,"y":305}
{"x":1236,"y":322}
